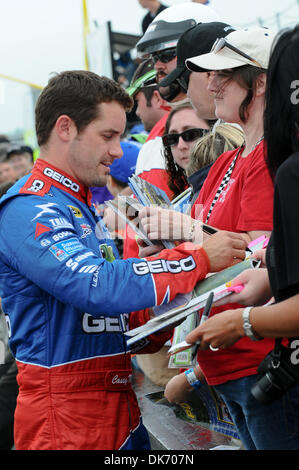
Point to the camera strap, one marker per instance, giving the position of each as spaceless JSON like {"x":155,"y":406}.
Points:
{"x":276,"y":353}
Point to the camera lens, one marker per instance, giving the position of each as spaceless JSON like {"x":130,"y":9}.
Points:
{"x":265,"y":390}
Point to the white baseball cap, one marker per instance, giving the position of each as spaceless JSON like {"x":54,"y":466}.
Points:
{"x":247,"y":46}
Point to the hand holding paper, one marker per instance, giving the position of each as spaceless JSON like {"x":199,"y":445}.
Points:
{"x":220,"y":331}
{"x":256,"y":288}
{"x":168,"y":224}
{"x":224,"y":249}
{"x":183,"y":345}
{"x":173,"y":316}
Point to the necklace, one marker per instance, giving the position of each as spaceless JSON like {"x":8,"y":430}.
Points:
{"x":255,"y":145}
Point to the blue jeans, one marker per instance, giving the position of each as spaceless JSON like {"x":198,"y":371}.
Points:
{"x":274,"y":426}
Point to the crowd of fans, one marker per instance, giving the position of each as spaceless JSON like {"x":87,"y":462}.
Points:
{"x":16,"y":162}
{"x":220,"y":115}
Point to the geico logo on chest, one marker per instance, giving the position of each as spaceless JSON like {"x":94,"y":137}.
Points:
{"x":101,"y":324}
{"x":164,"y":266}
{"x":67,"y":182}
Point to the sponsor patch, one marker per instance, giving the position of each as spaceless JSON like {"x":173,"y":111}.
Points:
{"x":40,"y":229}
{"x":76,"y":212}
{"x":45,"y":209}
{"x":45,"y":242}
{"x":86,"y":229}
{"x":59,"y":236}
{"x":64,"y":180}
{"x":164,"y":266}
{"x":60,"y":222}
{"x":35,"y":186}
{"x":103,"y":324}
{"x":64,"y":249}
{"x":84,"y":256}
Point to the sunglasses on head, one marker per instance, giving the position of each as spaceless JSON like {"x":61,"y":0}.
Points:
{"x":188,"y":136}
{"x":149,"y":83}
{"x":220,"y":43}
{"x":164,"y":56}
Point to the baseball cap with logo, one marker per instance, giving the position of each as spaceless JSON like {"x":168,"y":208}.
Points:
{"x":242,"y":47}
{"x":122,"y":168}
{"x":197,"y":40}
{"x":145,"y":75}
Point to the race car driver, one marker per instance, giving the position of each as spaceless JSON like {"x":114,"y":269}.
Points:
{"x":66,"y":306}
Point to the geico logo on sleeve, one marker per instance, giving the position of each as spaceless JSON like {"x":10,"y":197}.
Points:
{"x":164,"y":266}
{"x":67,"y":182}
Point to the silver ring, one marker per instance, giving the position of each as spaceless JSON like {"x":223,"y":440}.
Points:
{"x":213,"y":349}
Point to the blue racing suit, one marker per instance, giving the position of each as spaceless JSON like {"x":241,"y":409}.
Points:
{"x":68,"y":308}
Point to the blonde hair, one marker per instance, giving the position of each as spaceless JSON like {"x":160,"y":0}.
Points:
{"x":208,"y":148}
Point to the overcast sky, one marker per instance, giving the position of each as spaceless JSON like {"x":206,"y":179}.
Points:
{"x":41,"y":36}
{"x":38,"y":37}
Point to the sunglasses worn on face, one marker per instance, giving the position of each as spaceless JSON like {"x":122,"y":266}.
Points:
{"x":220,"y":43}
{"x":164,"y":56}
{"x":188,"y":136}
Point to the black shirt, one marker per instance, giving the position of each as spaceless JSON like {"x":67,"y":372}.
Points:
{"x":283,"y":248}
{"x":150,"y":16}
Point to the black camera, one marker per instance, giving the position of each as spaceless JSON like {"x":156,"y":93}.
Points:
{"x":277,"y":374}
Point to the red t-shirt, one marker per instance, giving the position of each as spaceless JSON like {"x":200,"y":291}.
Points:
{"x":245,"y":204}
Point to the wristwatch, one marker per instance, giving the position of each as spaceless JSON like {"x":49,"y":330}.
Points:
{"x":247,"y":325}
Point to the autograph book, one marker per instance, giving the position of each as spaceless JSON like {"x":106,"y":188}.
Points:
{"x":128,"y":209}
{"x":150,"y":195}
{"x":218,"y":283}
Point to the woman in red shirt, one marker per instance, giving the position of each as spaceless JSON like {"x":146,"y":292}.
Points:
{"x":279,"y":319}
{"x":236,"y":196}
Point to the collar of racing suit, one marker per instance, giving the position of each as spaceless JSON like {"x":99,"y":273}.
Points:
{"x":52,"y":175}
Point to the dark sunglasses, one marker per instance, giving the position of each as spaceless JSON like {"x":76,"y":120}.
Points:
{"x":164,"y":56}
{"x":220,"y":43}
{"x":188,"y":136}
{"x":149,"y":83}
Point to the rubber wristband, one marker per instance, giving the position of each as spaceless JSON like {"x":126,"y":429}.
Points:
{"x":192,"y":379}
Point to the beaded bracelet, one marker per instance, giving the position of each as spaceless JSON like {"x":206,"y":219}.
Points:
{"x":192,"y":230}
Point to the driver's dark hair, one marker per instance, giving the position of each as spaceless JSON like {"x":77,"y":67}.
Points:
{"x":76,"y":94}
